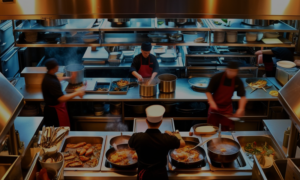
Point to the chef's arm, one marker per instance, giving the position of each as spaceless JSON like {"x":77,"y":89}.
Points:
{"x":182,"y":143}
{"x":153,"y":75}
{"x":242,"y":102}
{"x":63,"y":78}
{"x":137,"y":75}
{"x":211,"y":101}
{"x":267,"y":52}
{"x":80,"y":92}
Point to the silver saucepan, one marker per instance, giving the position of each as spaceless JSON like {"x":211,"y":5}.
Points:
{"x":76,"y":71}
{"x":148,"y":89}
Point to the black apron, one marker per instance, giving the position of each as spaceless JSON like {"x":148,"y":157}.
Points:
{"x":153,"y":174}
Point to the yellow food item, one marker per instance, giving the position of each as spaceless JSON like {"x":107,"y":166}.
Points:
{"x":258,"y":84}
{"x":223,"y":150}
{"x":185,"y":154}
{"x":273,"y":93}
{"x":122,"y":83}
{"x":205,"y":129}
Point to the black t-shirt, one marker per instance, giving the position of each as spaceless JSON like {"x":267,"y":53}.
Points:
{"x":152,"y":148}
{"x":283,"y":53}
{"x":216,"y":80}
{"x":51,"y":89}
{"x":136,"y":63}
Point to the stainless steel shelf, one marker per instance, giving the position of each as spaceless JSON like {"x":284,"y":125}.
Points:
{"x":135,"y":25}
{"x":236,"y":25}
{"x":197,"y":27}
{"x":218,"y":55}
{"x":73,"y":25}
{"x":92,"y":117}
{"x":286,"y":43}
{"x":57,"y":45}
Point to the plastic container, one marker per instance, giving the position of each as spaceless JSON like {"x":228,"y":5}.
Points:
{"x":251,"y":36}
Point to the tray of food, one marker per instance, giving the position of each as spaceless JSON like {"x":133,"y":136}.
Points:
{"x":205,"y":129}
{"x":101,"y":88}
{"x":83,"y":153}
{"x":119,"y":87}
{"x":262,"y":147}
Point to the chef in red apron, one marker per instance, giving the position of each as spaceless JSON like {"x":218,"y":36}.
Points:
{"x":55,"y":112}
{"x":152,"y":148}
{"x":219,"y":93}
{"x":144,"y":65}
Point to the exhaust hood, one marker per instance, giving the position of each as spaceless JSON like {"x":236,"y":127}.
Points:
{"x":289,"y":97}
{"x":11,"y":103}
{"x":76,"y":9}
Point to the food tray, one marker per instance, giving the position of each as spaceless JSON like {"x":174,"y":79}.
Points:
{"x":87,"y":139}
{"x":203,"y":133}
{"x":100,"y":85}
{"x":123,"y":91}
{"x":243,"y":140}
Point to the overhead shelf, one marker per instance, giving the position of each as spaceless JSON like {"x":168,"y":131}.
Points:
{"x":134,"y":25}
{"x":73,"y":25}
{"x":198,"y":26}
{"x":237,"y":25}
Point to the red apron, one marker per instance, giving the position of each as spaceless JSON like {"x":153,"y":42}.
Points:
{"x":62,"y":114}
{"x":145,"y":70}
{"x":223,"y":100}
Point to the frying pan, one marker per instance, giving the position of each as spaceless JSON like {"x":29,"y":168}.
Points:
{"x":253,"y":80}
{"x":112,"y":150}
{"x":195,"y":82}
{"x":186,"y":165}
{"x":231,"y":146}
{"x":123,"y":139}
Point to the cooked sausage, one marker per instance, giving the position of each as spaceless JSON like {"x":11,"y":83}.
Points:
{"x":76,"y":164}
{"x":70,"y":145}
{"x":80,"y":144}
{"x":70,"y":157}
{"x":83,"y":158}
{"x":70,"y":162}
{"x":89,"y":152}
{"x":78,"y":150}
{"x":82,"y":152}
{"x":87,"y":146}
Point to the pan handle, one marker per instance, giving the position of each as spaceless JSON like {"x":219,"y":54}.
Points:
{"x":200,"y":144}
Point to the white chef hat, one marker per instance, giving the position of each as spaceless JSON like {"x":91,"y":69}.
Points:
{"x":155,"y":113}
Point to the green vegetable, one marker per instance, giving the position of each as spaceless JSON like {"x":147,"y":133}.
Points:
{"x":160,"y":22}
{"x":224,"y":20}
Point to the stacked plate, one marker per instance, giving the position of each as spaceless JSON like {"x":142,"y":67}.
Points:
{"x":219,"y":37}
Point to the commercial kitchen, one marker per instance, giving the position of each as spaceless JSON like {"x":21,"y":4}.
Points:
{"x":192,"y":40}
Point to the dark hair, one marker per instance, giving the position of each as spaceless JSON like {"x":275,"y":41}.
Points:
{"x":51,"y":63}
{"x":233,"y":65}
{"x":146,"y":46}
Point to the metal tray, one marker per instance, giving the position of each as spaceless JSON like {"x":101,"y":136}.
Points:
{"x":100,"y":85}
{"x":243,"y":140}
{"x":123,"y":90}
{"x":87,"y":139}
{"x":204,"y":168}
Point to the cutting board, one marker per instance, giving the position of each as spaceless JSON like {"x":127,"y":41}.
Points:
{"x":271,"y":41}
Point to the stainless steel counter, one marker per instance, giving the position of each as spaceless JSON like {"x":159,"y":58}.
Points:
{"x":183,"y":93}
{"x":277,"y":127}
{"x":76,"y":175}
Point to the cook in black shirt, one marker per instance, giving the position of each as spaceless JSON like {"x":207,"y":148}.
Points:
{"x":152,"y":148}
{"x":219,"y":93}
{"x":144,"y":65}
{"x":279,"y":53}
{"x":55,"y":112}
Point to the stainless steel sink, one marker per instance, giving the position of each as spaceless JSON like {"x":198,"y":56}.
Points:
{"x":243,"y":140}
{"x":10,"y":167}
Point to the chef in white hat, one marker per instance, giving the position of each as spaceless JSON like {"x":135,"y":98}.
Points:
{"x":152,"y":146}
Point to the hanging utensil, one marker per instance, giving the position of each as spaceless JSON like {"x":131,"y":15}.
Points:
{"x":200,"y":144}
{"x":230,"y":117}
{"x":253,"y":90}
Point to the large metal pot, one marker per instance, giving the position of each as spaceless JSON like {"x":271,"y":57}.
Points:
{"x":146,"y":89}
{"x":76,"y":71}
{"x":167,"y":83}
{"x":258,"y":22}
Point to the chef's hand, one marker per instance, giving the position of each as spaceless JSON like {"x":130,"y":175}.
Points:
{"x":140,"y":78}
{"x":81,"y":91}
{"x":239,"y":113}
{"x":259,"y":52}
{"x":169,"y":132}
{"x":213,"y":106}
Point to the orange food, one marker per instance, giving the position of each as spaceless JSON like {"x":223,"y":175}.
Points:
{"x":82,"y":152}
{"x":76,"y":164}
{"x":87,"y":146}
{"x":70,"y":145}
{"x":89,"y":152}
{"x":84,"y":158}
{"x":70,"y":157}
{"x":80,"y":144}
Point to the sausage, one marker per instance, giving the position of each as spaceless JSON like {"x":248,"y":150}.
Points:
{"x":83,"y":158}
{"x":82,"y":152}
{"x":87,"y":146}
{"x":70,"y":145}
{"x":70,"y":157}
{"x":80,"y":144}
{"x":89,"y":152}
{"x":76,"y":164}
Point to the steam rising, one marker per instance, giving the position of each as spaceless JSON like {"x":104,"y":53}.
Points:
{"x":116,"y":126}
{"x":66,"y":56}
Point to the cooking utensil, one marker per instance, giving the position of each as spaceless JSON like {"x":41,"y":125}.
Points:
{"x":228,"y":117}
{"x":167,"y":83}
{"x":215,"y":153}
{"x":123,"y":139}
{"x":253,"y":89}
{"x":148,"y":90}
{"x":200,"y":83}
{"x":119,"y":147}
{"x":286,"y":64}
{"x":200,"y":144}
{"x":76,"y":71}
{"x":196,"y":164}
